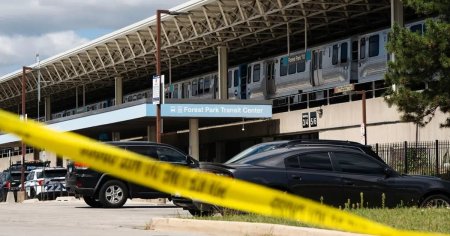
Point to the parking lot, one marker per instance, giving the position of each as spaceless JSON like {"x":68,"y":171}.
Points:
{"x":76,"y":218}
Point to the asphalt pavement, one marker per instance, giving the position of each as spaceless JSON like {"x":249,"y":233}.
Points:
{"x":72,"y":217}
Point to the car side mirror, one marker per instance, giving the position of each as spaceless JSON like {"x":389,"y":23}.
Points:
{"x":389,"y":172}
{"x":191,"y":161}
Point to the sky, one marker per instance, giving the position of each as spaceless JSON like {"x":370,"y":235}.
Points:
{"x":50,"y":27}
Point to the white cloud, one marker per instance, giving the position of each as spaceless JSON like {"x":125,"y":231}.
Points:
{"x":53,"y":26}
{"x":41,"y":16}
{"x":20,"y":50}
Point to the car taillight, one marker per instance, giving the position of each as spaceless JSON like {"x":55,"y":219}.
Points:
{"x":80,"y":166}
{"x":8,"y":184}
{"x":40,"y":182}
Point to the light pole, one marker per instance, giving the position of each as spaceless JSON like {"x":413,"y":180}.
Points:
{"x":364,"y":121}
{"x":25,"y":69}
{"x":158,"y":65}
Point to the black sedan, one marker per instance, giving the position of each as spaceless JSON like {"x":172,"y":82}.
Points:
{"x":336,"y":176}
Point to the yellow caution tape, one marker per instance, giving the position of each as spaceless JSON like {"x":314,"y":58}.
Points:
{"x":178,"y":180}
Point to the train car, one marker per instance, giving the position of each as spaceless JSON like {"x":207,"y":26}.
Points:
{"x":369,"y":56}
{"x":357,"y":59}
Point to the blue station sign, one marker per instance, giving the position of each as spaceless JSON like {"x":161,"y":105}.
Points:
{"x":216,"y":110}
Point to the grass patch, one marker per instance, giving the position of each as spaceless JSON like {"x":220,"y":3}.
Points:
{"x":418,"y":219}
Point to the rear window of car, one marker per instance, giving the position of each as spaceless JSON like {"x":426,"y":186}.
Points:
{"x":17,"y":176}
{"x":52,"y":173}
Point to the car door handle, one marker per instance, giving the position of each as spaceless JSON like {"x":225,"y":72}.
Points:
{"x":296,"y":177}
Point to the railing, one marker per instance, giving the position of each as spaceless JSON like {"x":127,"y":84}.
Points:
{"x":420,"y":158}
{"x":7,"y":152}
{"x":325,"y":97}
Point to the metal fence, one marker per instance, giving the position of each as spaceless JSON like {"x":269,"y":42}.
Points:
{"x":419,"y":158}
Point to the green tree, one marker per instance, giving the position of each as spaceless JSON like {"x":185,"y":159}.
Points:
{"x":420,"y":72}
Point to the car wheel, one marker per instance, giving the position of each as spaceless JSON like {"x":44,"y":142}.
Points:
{"x":200,"y":213}
{"x":92,"y":202}
{"x":113,"y":194}
{"x":434,"y":201}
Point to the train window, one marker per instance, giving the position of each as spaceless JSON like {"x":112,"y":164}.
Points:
{"x":416,"y":28}
{"x":236,"y":78}
{"x":292,"y":68}
{"x":355,"y":51}
{"x":334,"y":60}
{"x":344,"y":49}
{"x":283,"y":66}
{"x":194,"y":88}
{"x":175,"y":91}
{"x":249,"y":74}
{"x":229,"y":79}
{"x":374,"y":45}
{"x":256,"y":72}
{"x":362,"y":48}
{"x":301,"y":66}
{"x":201,"y":84}
{"x":207,"y":84}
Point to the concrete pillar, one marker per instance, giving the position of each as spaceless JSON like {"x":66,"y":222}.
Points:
{"x":151,"y":133}
{"x":76,"y":97}
{"x":48,"y":108}
{"x":194,"y":138}
{"x":223,"y":72}
{"x":118,"y":90}
{"x":220,"y":152}
{"x":396,"y":12}
{"x":84,"y":95}
{"x":396,"y":16}
{"x":115,"y":136}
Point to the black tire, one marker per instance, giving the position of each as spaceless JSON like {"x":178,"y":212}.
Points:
{"x":113,"y":194}
{"x":436,"y":201}
{"x":92,"y":202}
{"x":200,"y":213}
{"x":32,"y":193}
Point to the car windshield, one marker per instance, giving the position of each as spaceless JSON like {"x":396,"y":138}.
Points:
{"x":262,"y":147}
{"x":52,"y":173}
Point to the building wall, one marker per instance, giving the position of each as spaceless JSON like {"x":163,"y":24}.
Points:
{"x":4,"y":162}
{"x":343,"y":121}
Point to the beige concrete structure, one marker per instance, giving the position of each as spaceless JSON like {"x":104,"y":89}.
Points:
{"x":343,"y":121}
{"x":44,"y":156}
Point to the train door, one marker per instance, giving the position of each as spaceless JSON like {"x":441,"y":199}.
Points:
{"x":362,"y":59}
{"x":354,"y":64}
{"x":243,"y":81}
{"x":185,"y":90}
{"x":268,"y":82}
{"x":316,"y":67}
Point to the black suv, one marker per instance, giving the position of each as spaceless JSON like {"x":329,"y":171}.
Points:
{"x":103,"y":190}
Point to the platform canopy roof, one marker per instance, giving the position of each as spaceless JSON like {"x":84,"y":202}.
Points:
{"x":248,"y":28}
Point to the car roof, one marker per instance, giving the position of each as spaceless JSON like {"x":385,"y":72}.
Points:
{"x":40,"y":169}
{"x":298,"y":149}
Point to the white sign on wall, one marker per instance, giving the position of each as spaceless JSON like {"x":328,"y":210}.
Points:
{"x":156,"y":89}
